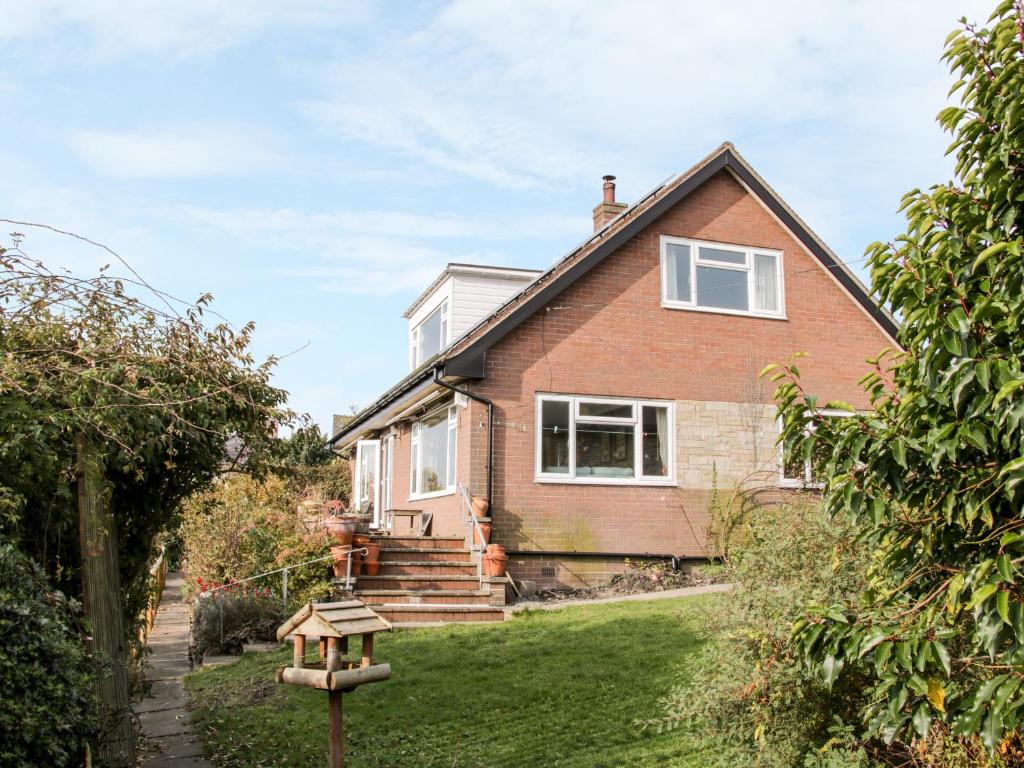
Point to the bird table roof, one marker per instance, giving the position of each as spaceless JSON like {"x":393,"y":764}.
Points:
{"x":350,"y":617}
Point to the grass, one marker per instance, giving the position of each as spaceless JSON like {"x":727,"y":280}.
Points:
{"x":559,"y":688}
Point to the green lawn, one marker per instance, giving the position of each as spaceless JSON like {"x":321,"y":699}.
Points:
{"x":558,"y":688}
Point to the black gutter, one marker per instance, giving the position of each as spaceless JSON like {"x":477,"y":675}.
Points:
{"x":490,"y":427}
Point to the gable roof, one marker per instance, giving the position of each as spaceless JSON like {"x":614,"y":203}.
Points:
{"x":466,"y":357}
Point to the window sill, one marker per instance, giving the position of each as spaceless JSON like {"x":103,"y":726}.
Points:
{"x":629,"y":481}
{"x":718,"y":311}
{"x":431,"y":495}
{"x":800,"y":485}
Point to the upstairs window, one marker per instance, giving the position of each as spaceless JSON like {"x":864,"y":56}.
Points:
{"x":430,"y":336}
{"x":715,"y":277}
{"x":604,"y":440}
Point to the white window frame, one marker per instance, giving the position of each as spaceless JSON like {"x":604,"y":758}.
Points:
{"x":746,"y":268}
{"x":637,"y":420}
{"x":415,"y":454}
{"x":805,"y":482}
{"x":414,"y":334}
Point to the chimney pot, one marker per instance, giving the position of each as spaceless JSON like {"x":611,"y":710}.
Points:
{"x":609,"y":188}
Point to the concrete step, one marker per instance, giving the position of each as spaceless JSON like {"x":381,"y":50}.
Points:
{"x":427,"y":568}
{"x":417,"y":597}
{"x":417,"y":582}
{"x":427,"y":612}
{"x":420,"y":542}
{"x":389,"y":554}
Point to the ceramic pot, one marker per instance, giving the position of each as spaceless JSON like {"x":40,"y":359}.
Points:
{"x":371,"y":562}
{"x":495,"y":560}
{"x":359,"y":541}
{"x":485,"y":532}
{"x":480,"y":505}
{"x":341,"y":528}
{"x":339,"y":565}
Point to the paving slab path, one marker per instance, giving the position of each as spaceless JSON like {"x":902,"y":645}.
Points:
{"x":163,"y":714}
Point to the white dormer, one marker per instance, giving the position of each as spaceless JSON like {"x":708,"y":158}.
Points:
{"x":460,"y":297}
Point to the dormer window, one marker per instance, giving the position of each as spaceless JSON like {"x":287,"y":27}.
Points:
{"x":717,"y":277}
{"x":430,"y":336}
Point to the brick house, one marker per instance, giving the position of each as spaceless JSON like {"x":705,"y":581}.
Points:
{"x":599,"y":404}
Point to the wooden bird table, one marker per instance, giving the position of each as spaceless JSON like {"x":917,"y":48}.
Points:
{"x":333,"y":624}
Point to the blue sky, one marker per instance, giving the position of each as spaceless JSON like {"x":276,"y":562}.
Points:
{"x":315,"y":163}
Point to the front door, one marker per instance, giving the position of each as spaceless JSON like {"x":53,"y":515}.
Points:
{"x":367,"y":490}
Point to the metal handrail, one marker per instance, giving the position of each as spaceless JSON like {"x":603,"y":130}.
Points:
{"x":284,"y":574}
{"x":475,"y":530}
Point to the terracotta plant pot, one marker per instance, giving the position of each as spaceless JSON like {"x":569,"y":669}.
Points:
{"x":359,"y":541}
{"x":485,"y":531}
{"x":339,"y":566}
{"x":480,"y":505}
{"x":371,"y":562}
{"x":495,"y":560}
{"x":341,"y":528}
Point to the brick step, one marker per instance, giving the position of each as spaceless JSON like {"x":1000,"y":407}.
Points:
{"x":427,"y":568}
{"x":426,"y":612}
{"x":420,"y":583}
{"x":418,"y":597}
{"x":388,"y":554}
{"x":420,"y":542}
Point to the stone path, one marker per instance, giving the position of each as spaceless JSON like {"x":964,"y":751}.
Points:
{"x":668,"y":594}
{"x":166,"y":723}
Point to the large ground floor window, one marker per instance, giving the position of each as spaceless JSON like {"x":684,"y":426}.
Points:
{"x":605,"y":440}
{"x":433,"y":453}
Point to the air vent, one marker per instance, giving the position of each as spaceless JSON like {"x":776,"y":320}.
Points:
{"x":547,"y":571}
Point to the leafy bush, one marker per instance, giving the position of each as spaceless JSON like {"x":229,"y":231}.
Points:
{"x":751,"y":700}
{"x":46,"y":707}
{"x":932,"y":479}
{"x":244,"y":527}
{"x":225,"y":619}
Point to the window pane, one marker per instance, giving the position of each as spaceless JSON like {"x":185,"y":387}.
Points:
{"x":606,"y":410}
{"x":605,"y":450}
{"x":433,"y":452}
{"x":655,"y":441}
{"x":677,"y":272}
{"x":554,"y":441}
{"x":720,"y":254}
{"x":431,"y":336}
{"x":451,"y":448}
{"x":722,"y":288}
{"x":766,"y":282}
{"x":793,"y":466}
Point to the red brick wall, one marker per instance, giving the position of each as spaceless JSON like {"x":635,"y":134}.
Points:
{"x":607,"y":334}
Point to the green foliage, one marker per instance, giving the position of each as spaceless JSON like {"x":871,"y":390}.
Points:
{"x":160,"y":390}
{"x":750,"y":699}
{"x":242,"y":527}
{"x":931,"y":479}
{"x":225,"y":619}
{"x":306,"y":447}
{"x":46,"y":708}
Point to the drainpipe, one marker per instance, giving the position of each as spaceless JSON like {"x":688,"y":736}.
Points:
{"x":490,"y":427}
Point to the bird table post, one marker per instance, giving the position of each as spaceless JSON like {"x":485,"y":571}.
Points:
{"x":333,"y":624}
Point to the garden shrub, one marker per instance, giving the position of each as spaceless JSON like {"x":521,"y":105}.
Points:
{"x":750,"y":699}
{"x":243,"y":527}
{"x":46,"y":705}
{"x":224,"y":619}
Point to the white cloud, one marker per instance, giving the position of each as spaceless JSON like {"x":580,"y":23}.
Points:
{"x":377,"y":252}
{"x":180,"y":28}
{"x":177,"y":152}
{"x":526,"y":92}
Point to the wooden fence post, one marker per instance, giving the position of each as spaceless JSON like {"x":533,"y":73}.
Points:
{"x":101,"y":599}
